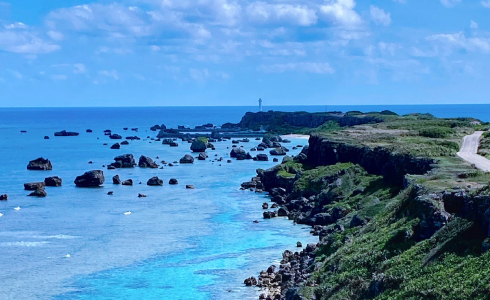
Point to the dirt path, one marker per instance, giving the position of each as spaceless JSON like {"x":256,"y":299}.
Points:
{"x":469,"y":151}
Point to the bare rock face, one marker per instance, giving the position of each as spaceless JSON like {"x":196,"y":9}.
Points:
{"x":187,"y":159}
{"x":155,"y":181}
{"x":173,"y":181}
{"x":32,"y":186}
{"x":92,"y":178}
{"x":53,"y":181}
{"x":116,"y":146}
{"x":4,"y":197}
{"x":128,"y":182}
{"x":38,"y":193}
{"x":146,"y":162}
{"x":124,"y":161}
{"x":40,"y":164}
{"x":198,"y":145}
{"x":116,"y":179}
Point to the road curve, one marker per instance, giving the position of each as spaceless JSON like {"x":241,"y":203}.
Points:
{"x":469,"y":151}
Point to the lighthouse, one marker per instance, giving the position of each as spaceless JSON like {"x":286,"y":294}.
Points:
{"x":260,"y":104}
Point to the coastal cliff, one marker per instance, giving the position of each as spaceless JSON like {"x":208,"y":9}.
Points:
{"x":398,"y":216}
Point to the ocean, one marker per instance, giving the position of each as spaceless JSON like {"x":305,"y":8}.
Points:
{"x":176,"y":244}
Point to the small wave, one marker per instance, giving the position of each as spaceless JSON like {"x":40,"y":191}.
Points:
{"x":23,"y":244}
{"x":57,"y":237}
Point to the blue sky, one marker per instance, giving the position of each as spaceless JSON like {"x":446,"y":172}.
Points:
{"x":231,"y":52}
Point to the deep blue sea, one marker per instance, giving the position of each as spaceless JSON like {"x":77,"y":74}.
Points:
{"x":176,"y":244}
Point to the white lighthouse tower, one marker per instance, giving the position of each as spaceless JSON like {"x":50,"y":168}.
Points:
{"x":260,"y":104}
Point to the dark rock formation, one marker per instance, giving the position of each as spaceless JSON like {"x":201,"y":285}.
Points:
{"x":38,"y":193}
{"x":32,"y":186}
{"x":199,"y":145}
{"x":187,"y":159}
{"x":189,"y":186}
{"x":262,"y":157}
{"x":141,"y":196}
{"x":127,"y":182}
{"x":116,"y":146}
{"x":40,"y":164}
{"x":278,"y":151}
{"x":124,"y":143}
{"x":173,"y":181}
{"x":53,"y":181}
{"x":116,"y":179}
{"x":155,"y":181}
{"x":147,"y":162}
{"x":124,"y":161}
{"x":46,"y":137}
{"x":4,"y":197}
{"x":202,"y":156}
{"x":90,"y":179}
{"x":88,"y":130}
{"x":66,"y":133}
{"x":115,"y":136}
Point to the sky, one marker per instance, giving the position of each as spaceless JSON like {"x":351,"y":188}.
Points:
{"x":73,"y":53}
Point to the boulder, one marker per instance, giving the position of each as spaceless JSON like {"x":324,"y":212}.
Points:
{"x":278,"y":151}
{"x":38,"y":193}
{"x":32,"y":186}
{"x":4,"y":197}
{"x":202,"y":156}
{"x":116,"y":179}
{"x":141,"y":196}
{"x":90,"y":179}
{"x":40,"y":164}
{"x":199,"y":145}
{"x":173,"y":181}
{"x":116,"y":146}
{"x":124,"y":161}
{"x":187,"y":159}
{"x":262,"y":157}
{"x":46,"y":137}
{"x":147,"y":162}
{"x":110,"y":193}
{"x":127,"y":182}
{"x":155,"y":181}
{"x":240,"y":154}
{"x":189,"y":186}
{"x":174,"y":144}
{"x":283,"y":212}
{"x":124,"y":143}
{"x":252,"y":281}
{"x":66,"y":133}
{"x":88,"y":130}
{"x":115,"y":136}
{"x":53,"y":181}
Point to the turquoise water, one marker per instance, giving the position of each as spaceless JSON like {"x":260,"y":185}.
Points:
{"x":176,"y":244}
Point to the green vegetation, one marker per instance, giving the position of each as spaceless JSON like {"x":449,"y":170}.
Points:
{"x":404,"y":251}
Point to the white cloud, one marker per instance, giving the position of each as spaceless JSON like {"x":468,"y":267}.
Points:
{"x":17,"y":25}
{"x":450,"y":3}
{"x":111,"y":74}
{"x":379,"y":16}
{"x":459,"y":40}
{"x":79,"y":68}
{"x":341,"y":12}
{"x":25,"y":42}
{"x":262,"y":12}
{"x":55,"y":35}
{"x":317,"y":68}
{"x":486,"y":3}
{"x":199,"y":75}
{"x":473,"y":25}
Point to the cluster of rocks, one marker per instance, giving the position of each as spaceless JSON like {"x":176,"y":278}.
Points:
{"x":279,"y":283}
{"x":38,"y":188}
{"x":66,"y":133}
{"x":40,"y":164}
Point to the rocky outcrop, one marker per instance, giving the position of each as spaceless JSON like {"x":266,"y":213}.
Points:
{"x":187,"y":159}
{"x":116,"y":146}
{"x":147,"y":162}
{"x":124,"y":161}
{"x":92,"y":178}
{"x":115,"y":136}
{"x":155,"y":181}
{"x":116,"y":179}
{"x":66,"y":133}
{"x":32,"y":186}
{"x":127,"y":182}
{"x":173,"y":181}
{"x":53,"y":181}
{"x":4,"y":197}
{"x":380,"y":161}
{"x":199,"y":145}
{"x":240,"y":154}
{"x":40,"y":164}
{"x":202,"y":156}
{"x":38,"y":193}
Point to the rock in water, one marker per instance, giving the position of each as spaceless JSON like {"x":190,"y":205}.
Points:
{"x":90,"y":179}
{"x":146,"y":162}
{"x":141,"y":196}
{"x":38,"y":193}
{"x":116,"y":179}
{"x":202,"y":156}
{"x":155,"y":181}
{"x":40,"y":164}
{"x":187,"y":159}
{"x":199,"y":145}
{"x":124,"y":143}
{"x":32,"y":186}
{"x":173,"y":181}
{"x":53,"y":181}
{"x":66,"y":133}
{"x":115,"y":136}
{"x":189,"y":186}
{"x":128,"y":182}
{"x":4,"y":197}
{"x":262,"y":157}
{"x":46,"y":137}
{"x":124,"y":161}
{"x":278,"y":151}
{"x":240,"y":154}
{"x":116,"y":146}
